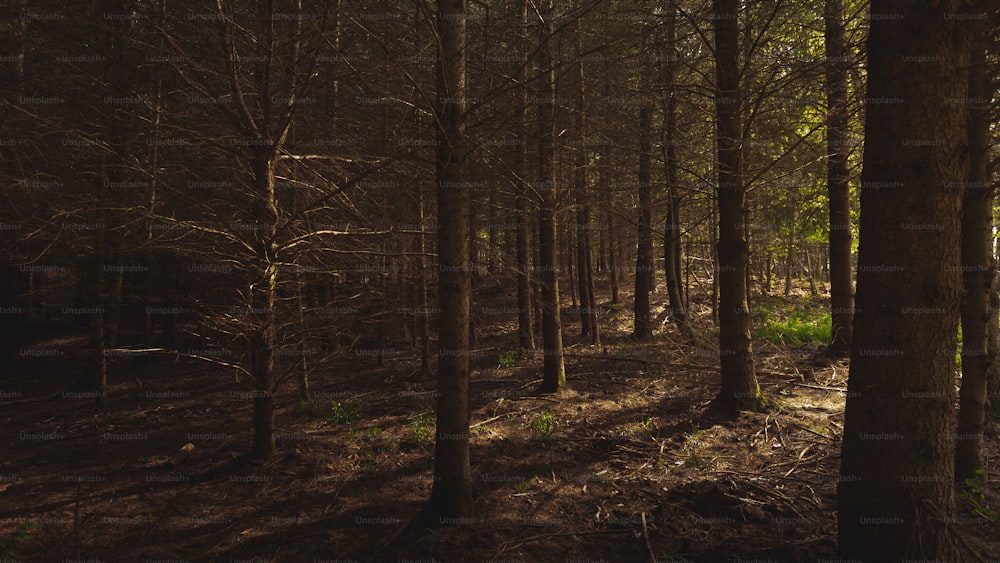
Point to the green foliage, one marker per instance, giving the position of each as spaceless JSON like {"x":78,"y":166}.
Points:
{"x":21,"y":536}
{"x":423,"y":428}
{"x":792,"y":326}
{"x":340,"y":413}
{"x":975,"y":496}
{"x":695,"y":434}
{"x":544,"y":425}
{"x":307,"y":405}
{"x":696,"y":461}
{"x":507,"y":360}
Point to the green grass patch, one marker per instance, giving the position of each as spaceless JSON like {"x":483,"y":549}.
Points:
{"x":423,"y":427}
{"x":785,"y":325}
{"x":507,"y":360}
{"x":348,"y":412}
{"x":10,"y":546}
{"x":544,"y":426}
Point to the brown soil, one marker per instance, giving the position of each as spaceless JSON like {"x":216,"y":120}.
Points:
{"x":626,"y":466}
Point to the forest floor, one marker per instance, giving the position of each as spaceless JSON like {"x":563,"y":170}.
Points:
{"x":628,"y":465}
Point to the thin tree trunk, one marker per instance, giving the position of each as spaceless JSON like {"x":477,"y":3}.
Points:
{"x":584,"y":262}
{"x":115,"y":300}
{"x":714,"y":252}
{"x":977,"y":276}
{"x":451,"y":495}
{"x":305,"y":394}
{"x":263,"y":299}
{"x":789,"y":261}
{"x":810,"y":273}
{"x":554,"y":376}
{"x":425,"y":314}
{"x":525,"y":331}
{"x":672,"y":229}
{"x":96,"y":366}
{"x":993,"y":371}
{"x":896,"y":495}
{"x":838,"y":188}
{"x":739,"y":390}
{"x":604,"y":181}
{"x":604,"y":184}
{"x":643,"y":326}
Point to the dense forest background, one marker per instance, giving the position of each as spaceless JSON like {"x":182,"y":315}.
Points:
{"x":292,"y":255}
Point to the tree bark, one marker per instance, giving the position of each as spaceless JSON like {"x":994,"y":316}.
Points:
{"x":604,"y":183}
{"x":672,"y":229}
{"x":584,"y":262}
{"x":451,"y":495}
{"x":993,"y":371}
{"x":838,"y":188}
{"x":263,"y":297}
{"x":554,"y":376}
{"x":740,"y":390}
{"x":977,"y":275}
{"x":643,"y":325}
{"x":896,"y":492}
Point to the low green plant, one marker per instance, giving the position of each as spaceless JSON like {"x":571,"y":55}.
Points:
{"x":975,"y":496}
{"x":793,"y":327}
{"x":307,"y":405}
{"x":21,"y":536}
{"x":423,"y":427}
{"x":646,"y":425}
{"x":695,"y":434}
{"x":544,"y":425}
{"x":507,"y":360}
{"x":340,"y":413}
{"x":696,"y":461}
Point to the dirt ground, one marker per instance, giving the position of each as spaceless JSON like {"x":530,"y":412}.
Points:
{"x":626,"y":466}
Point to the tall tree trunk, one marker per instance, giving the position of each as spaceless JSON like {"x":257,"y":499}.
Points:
{"x":838,"y":188}
{"x":977,"y":275}
{"x":896,"y":492}
{"x":525,"y":306}
{"x":643,"y":326}
{"x":263,"y":298}
{"x":607,"y":198}
{"x":451,"y":494}
{"x":425,"y":314}
{"x":584,"y":262}
{"x":96,"y":365}
{"x":115,"y":298}
{"x":739,"y":382}
{"x":305,"y":393}
{"x":672,"y":229}
{"x":713,"y":239}
{"x":789,"y":262}
{"x":993,"y":371}
{"x":265,"y":262}
{"x":554,"y":376}
{"x":604,"y":184}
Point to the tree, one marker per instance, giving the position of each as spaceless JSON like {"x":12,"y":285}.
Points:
{"x":643,"y":326}
{"x":896,"y":493}
{"x":525,"y":332}
{"x":585,"y":271}
{"x":977,"y":274}
{"x":740,"y":390}
{"x":838,"y":187}
{"x":672,"y":229}
{"x":451,"y":495}
{"x":554,"y":376}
